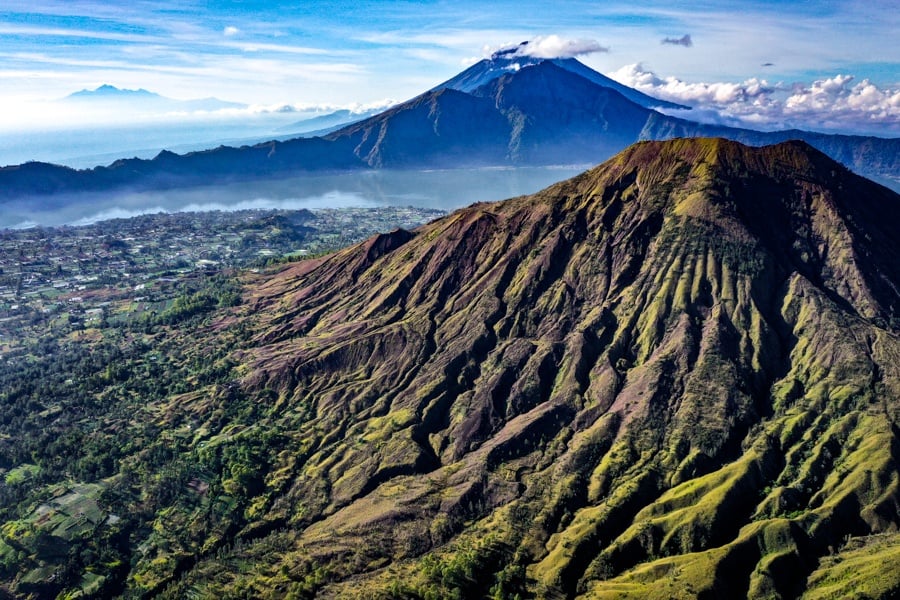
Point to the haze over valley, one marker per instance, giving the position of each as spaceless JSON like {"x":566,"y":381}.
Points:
{"x":439,"y":189}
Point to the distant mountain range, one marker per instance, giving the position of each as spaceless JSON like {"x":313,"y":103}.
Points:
{"x":325,"y":124}
{"x":141,"y":98}
{"x":501,"y":111}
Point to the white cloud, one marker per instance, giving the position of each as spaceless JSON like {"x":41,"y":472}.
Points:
{"x":752,"y":90}
{"x":278,"y":48}
{"x":42,"y":31}
{"x":299,"y":110}
{"x":831,"y":104}
{"x":549,"y":46}
{"x":839,"y":101}
{"x":231,"y":31}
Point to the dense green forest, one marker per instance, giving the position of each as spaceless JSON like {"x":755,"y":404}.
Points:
{"x":96,"y":441}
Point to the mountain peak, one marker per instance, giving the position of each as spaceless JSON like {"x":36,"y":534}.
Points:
{"x":757,"y":194}
{"x":512,"y":60}
{"x":110,"y":91}
{"x":721,"y":158}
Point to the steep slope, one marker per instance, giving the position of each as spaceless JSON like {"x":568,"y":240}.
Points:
{"x":582,"y":70}
{"x":677,"y":375}
{"x":586,"y":120}
{"x":444,"y":128}
{"x":504,"y":121}
{"x":324,"y":124}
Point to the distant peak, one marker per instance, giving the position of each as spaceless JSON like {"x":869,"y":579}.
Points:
{"x":106,"y":90}
{"x":165,"y":155}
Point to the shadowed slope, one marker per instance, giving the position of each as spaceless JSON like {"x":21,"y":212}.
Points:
{"x":677,"y":374}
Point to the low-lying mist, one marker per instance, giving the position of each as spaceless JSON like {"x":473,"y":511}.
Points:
{"x":442,"y":189}
{"x":88,"y":146}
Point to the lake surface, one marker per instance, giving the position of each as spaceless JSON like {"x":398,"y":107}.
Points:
{"x":443,"y":189}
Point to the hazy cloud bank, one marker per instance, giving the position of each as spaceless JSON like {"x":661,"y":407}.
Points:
{"x":838,"y":103}
{"x":446,"y":190}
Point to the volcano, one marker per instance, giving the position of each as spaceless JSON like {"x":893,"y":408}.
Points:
{"x":510,"y":60}
{"x":676,"y":375}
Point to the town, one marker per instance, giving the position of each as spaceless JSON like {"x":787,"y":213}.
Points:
{"x":68,"y":278}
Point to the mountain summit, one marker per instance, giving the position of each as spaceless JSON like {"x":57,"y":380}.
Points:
{"x":106,"y":96}
{"x":511,"y":60}
{"x":107,"y":91}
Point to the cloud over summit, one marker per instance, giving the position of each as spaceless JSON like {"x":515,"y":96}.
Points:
{"x":549,"y":46}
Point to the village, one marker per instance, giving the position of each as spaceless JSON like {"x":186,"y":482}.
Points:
{"x":71,"y":277}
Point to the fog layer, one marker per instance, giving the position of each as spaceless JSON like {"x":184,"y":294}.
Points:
{"x":443,"y":189}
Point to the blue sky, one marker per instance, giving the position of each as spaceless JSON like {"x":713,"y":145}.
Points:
{"x":835,"y":63}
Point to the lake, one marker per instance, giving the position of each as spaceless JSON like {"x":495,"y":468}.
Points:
{"x":443,"y":189}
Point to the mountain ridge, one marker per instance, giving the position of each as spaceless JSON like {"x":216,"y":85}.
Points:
{"x":141,"y":98}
